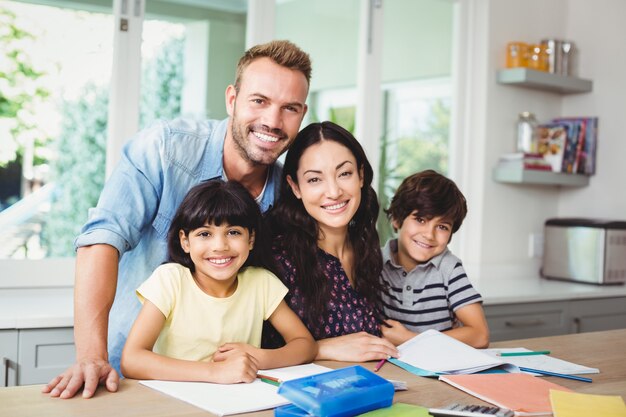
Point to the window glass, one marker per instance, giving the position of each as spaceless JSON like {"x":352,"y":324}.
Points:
{"x":53,"y":108}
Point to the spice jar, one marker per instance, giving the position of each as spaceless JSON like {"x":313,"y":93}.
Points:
{"x":526,"y":133}
{"x":516,"y":54}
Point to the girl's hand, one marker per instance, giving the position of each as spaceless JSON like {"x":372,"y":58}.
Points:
{"x":395,"y":332}
{"x":228,"y":349}
{"x":355,"y":347}
{"x":233,"y":366}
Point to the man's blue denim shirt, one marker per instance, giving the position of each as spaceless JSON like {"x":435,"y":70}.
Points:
{"x":158,"y":166}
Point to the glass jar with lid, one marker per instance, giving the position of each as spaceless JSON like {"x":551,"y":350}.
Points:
{"x":526,"y":140}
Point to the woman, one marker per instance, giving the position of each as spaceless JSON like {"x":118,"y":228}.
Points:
{"x":325,"y":240}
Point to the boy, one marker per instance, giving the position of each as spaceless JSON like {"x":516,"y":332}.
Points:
{"x":425,"y":284}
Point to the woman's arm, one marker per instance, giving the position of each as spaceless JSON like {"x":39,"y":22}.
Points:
{"x":475,"y":331}
{"x":355,"y":347}
{"x":140,"y":362}
{"x":300,"y":347}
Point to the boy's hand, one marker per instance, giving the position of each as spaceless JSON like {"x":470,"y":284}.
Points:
{"x":234,"y":366}
{"x":395,"y":332}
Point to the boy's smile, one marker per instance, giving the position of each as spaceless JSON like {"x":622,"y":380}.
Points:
{"x":421,"y":239}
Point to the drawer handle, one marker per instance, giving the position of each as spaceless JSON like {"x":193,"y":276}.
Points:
{"x":6,"y":363}
{"x":526,"y":323}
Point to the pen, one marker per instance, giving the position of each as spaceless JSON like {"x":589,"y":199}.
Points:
{"x":539,"y":371}
{"x":379,"y":365}
{"x":537,"y":352}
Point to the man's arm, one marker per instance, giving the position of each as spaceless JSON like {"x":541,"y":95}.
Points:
{"x":94,"y":291}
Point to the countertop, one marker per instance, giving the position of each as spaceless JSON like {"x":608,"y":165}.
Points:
{"x":31,"y":308}
{"x":28,"y":308}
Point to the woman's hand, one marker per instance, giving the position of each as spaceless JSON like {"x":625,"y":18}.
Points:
{"x":355,"y":347}
{"x":395,"y":332}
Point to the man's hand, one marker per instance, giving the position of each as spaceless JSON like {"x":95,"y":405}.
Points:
{"x":355,"y":347}
{"x":88,"y":373}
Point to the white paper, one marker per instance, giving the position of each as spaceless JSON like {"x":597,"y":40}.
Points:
{"x":222,"y":399}
{"x":542,"y":362}
{"x":436,"y":352}
{"x":294,"y":372}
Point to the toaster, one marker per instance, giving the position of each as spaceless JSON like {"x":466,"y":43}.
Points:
{"x":585,"y":250}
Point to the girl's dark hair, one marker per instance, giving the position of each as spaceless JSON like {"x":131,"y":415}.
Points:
{"x":297,"y":232}
{"x":432,"y":195}
{"x":216,"y":202}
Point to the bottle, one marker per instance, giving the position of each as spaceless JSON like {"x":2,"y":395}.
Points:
{"x":526,"y":133}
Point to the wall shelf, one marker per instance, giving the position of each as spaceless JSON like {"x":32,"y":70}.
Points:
{"x":526,"y":176}
{"x":541,"y":80}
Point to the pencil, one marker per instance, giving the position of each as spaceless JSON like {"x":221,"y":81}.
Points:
{"x":269,"y":378}
{"x":537,"y":352}
{"x":379,"y":365}
{"x":548,"y":373}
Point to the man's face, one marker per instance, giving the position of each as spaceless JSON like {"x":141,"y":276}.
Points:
{"x":267,"y":111}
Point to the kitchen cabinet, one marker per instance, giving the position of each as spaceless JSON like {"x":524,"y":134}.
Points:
{"x":35,"y":356}
{"x":547,"y":318}
{"x":8,"y":356}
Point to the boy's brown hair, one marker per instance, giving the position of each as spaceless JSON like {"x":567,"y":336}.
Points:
{"x":432,"y":195}
{"x":284,"y":53}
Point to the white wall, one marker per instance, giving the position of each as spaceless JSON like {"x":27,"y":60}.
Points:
{"x":507,"y":214}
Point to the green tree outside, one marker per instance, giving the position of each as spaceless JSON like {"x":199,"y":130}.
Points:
{"x":79,"y":169}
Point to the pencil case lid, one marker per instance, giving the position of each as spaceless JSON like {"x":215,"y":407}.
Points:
{"x":339,"y":393}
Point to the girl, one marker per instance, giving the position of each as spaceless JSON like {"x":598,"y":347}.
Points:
{"x":203,"y":313}
{"x":327,"y":245}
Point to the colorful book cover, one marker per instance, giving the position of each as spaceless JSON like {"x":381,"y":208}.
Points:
{"x":526,"y":395}
{"x":552,"y":138}
{"x":573,"y":404}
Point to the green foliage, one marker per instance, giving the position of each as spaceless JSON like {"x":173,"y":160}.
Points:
{"x":79,"y":168}
{"x":162,"y":83}
{"x":426,"y":149}
{"x":20,"y":91}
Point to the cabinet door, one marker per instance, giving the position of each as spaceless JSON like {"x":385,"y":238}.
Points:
{"x":44,"y":353}
{"x":597,"y":315}
{"x":524,"y":320}
{"x":8,"y":358}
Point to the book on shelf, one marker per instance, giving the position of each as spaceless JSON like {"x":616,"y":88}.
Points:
{"x":524,"y":161}
{"x":551,"y":142}
{"x":581,"y":143}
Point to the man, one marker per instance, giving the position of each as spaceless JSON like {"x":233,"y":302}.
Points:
{"x":126,"y":232}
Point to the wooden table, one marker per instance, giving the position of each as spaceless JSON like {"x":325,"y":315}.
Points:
{"x":603,"y":350}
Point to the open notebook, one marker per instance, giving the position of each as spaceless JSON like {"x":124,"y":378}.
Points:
{"x":433,"y":353}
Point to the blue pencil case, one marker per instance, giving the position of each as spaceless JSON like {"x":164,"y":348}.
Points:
{"x":340,"y":393}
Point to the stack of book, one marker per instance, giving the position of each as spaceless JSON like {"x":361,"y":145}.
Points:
{"x":569,"y":144}
{"x":524,"y":161}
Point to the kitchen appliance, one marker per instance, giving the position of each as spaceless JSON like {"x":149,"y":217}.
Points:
{"x":585,"y":250}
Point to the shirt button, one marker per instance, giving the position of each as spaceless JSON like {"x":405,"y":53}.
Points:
{"x":403,"y":273}
{"x":408,"y":288}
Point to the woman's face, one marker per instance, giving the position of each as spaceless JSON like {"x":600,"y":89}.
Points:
{"x":329,"y":184}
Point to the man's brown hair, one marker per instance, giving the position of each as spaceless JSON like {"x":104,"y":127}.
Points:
{"x":284,"y":53}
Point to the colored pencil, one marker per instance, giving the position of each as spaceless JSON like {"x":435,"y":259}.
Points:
{"x":548,"y":373}
{"x":537,"y":352}
{"x":379,"y":365}
{"x":270,"y":378}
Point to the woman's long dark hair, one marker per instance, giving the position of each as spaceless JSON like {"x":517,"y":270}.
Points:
{"x":296,"y":232}
{"x":217,"y":202}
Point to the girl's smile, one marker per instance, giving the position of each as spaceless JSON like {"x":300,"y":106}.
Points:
{"x":217,"y":252}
